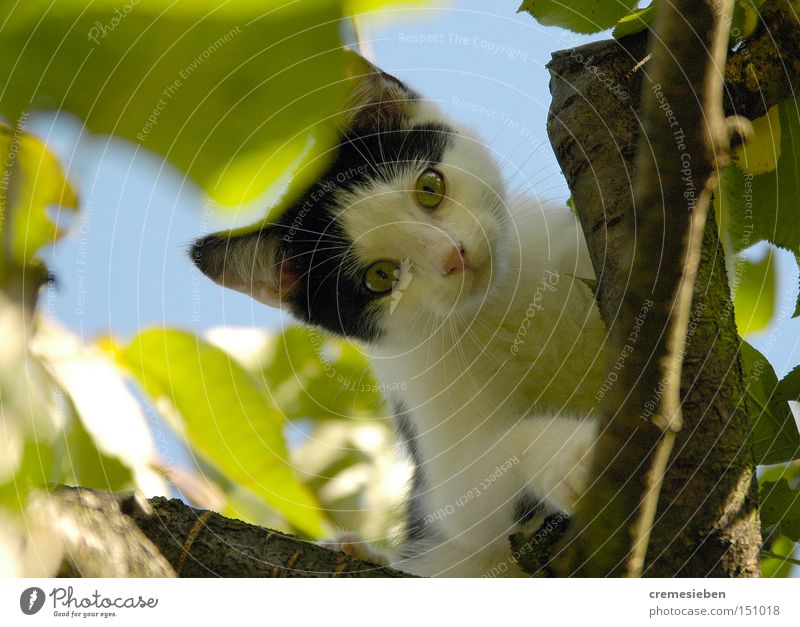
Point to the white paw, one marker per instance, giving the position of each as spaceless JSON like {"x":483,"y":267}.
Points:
{"x":564,"y":473}
{"x":353,"y":544}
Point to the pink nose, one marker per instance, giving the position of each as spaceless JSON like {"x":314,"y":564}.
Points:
{"x":456,"y":261}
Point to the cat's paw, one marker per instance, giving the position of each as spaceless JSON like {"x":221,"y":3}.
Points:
{"x":565,"y":475}
{"x":354,"y":545}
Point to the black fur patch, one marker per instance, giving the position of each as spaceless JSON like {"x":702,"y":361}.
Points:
{"x":313,"y":238}
{"x":406,"y":430}
{"x":417,"y":525}
{"x":526,"y":508}
{"x":328,"y":283}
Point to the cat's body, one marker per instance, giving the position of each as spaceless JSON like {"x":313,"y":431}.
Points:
{"x":485,"y":387}
{"x":469,"y":305}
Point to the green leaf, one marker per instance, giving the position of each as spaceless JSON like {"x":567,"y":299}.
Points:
{"x":313,"y":375}
{"x":84,"y":464}
{"x":580,"y":16}
{"x":754,"y":296}
{"x":226,"y":416}
{"x":91,"y":383}
{"x":635,"y":21}
{"x":766,"y":206}
{"x":745,"y":20}
{"x":761,"y":152}
{"x":233,"y":93}
{"x":780,"y":506}
{"x":774,"y":436}
{"x":778,"y":561}
{"x":34,"y":181}
{"x":797,"y":302}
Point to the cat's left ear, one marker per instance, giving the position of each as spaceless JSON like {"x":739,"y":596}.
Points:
{"x":378,"y":99}
{"x":253,"y":263}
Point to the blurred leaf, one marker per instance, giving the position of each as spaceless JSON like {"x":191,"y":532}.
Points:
{"x":745,"y":20}
{"x":773,"y":566}
{"x":774,"y":436}
{"x":635,"y":21}
{"x":313,"y":375}
{"x":788,"y":471}
{"x":34,"y":179}
{"x":108,"y":409}
{"x":29,"y":418}
{"x":580,"y":16}
{"x":757,"y":207}
{"x":195,"y":486}
{"x":232,"y":93}
{"x":761,"y":152}
{"x":227,"y":417}
{"x":754,"y":299}
{"x":84,"y":464}
{"x":780,"y":507}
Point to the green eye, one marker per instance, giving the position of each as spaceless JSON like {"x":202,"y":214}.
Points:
{"x":430,"y":189}
{"x":381,"y":275}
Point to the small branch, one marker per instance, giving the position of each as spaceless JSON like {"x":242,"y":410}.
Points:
{"x":684,"y":138}
{"x":119,"y":536}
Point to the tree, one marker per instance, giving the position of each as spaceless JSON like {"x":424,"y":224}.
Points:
{"x":661,"y":133}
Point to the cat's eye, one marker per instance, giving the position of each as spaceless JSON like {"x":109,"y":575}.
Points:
{"x":381,"y":275}
{"x":430,"y":189}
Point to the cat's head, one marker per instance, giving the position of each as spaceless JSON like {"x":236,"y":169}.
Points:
{"x":405,"y":223}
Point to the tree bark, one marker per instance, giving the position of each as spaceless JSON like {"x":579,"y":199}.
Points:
{"x":706,"y":522}
{"x":116,"y":535}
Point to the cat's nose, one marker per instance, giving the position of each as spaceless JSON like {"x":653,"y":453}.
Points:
{"x":456,"y":261}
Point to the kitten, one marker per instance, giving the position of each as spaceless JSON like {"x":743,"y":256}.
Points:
{"x":469,"y":306}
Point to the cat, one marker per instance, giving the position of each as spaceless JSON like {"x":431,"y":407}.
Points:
{"x":470,"y":305}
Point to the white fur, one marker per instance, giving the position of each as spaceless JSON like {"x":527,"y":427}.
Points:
{"x":479,"y":400}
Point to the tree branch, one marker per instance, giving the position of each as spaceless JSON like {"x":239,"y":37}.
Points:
{"x":111,"y":535}
{"x":646,"y":251}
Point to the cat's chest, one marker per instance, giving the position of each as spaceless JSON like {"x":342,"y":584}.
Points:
{"x":541,"y":351}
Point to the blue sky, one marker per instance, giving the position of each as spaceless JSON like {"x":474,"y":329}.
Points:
{"x":123,"y":267}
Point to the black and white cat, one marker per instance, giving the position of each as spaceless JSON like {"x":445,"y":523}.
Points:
{"x":466,"y":300}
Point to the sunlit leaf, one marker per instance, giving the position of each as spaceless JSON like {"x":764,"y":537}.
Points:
{"x":231,"y":92}
{"x":581,"y":16}
{"x":108,"y":409}
{"x":227,"y":417}
{"x":774,"y":567}
{"x":33,"y":181}
{"x":29,"y":419}
{"x":754,"y":298}
{"x":774,"y":435}
{"x":307,"y":373}
{"x":313,"y":375}
{"x":635,"y":21}
{"x":84,"y":464}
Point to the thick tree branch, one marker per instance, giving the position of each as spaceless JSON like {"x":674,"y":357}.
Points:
{"x":646,"y":252}
{"x":110,"y":535}
{"x":765,"y":69}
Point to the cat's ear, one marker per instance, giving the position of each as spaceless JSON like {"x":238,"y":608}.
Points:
{"x":253,"y":263}
{"x":378,"y":100}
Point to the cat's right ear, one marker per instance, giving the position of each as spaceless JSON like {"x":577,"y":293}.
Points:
{"x":252,"y":263}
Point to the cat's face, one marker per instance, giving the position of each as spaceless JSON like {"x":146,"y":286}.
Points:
{"x":405,"y":225}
